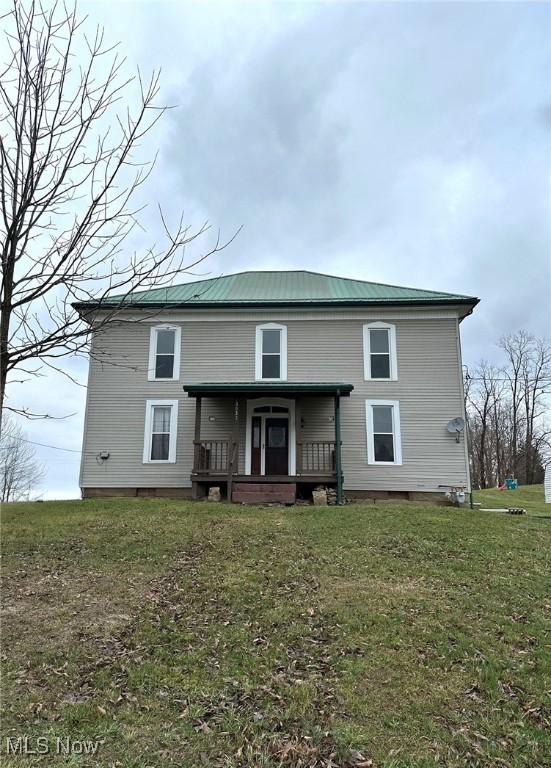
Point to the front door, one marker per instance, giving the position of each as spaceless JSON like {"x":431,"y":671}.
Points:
{"x":276,"y":450}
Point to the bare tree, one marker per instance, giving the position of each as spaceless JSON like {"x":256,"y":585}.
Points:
{"x":20,"y":471}
{"x":482,"y":403}
{"x":536,"y":384}
{"x":517,"y":350}
{"x":499,"y":428}
{"x":508,"y":412}
{"x":68,"y":179}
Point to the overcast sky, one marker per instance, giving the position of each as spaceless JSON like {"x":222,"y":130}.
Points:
{"x":399,"y":142}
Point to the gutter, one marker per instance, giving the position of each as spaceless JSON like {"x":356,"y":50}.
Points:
{"x":275,"y":304}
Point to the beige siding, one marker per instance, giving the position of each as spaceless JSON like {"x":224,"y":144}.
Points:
{"x":428,"y":389}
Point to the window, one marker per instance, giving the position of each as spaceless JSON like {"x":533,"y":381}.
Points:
{"x":383,"y":432}
{"x":271,"y":409}
{"x":164,"y":353}
{"x":271,"y":352}
{"x":160,"y":431}
{"x":380,"y":351}
{"x":276,"y":436}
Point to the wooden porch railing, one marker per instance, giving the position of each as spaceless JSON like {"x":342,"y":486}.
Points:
{"x":316,"y":457}
{"x":211,"y":457}
{"x":219,"y":457}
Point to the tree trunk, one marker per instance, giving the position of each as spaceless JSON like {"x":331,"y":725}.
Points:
{"x":5,"y":316}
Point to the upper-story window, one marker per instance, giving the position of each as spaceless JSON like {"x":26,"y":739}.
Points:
{"x":271,"y":352}
{"x":164,"y":353}
{"x":380,"y":352}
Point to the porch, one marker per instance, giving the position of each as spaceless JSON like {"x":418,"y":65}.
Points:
{"x":270,"y":439}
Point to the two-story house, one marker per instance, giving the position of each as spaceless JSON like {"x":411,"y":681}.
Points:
{"x":267,"y":384}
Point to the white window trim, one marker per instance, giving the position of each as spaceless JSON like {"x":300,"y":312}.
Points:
{"x":396,"y":430}
{"x":255,"y":403}
{"x":392,"y":350}
{"x":149,"y":405}
{"x":153,"y":351}
{"x":258,"y":351}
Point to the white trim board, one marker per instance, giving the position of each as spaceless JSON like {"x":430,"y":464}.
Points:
{"x":391,"y":349}
{"x":149,"y":405}
{"x":174,"y":315}
{"x":153,"y":351}
{"x":396,"y":431}
{"x":282,"y":351}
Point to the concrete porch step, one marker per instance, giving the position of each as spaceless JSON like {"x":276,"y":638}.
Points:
{"x":264,"y":493}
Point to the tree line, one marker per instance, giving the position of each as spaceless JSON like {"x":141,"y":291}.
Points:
{"x":20,"y":471}
{"x":507,"y":409}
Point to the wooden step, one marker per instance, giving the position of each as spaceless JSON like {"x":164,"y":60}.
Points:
{"x":264,"y":493}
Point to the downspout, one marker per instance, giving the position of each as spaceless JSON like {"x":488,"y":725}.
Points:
{"x":338,"y":457}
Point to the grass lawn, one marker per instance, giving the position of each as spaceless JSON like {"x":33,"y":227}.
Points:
{"x":211,"y":635}
{"x":531,"y":497}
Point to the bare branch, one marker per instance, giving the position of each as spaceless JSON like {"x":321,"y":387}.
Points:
{"x":508,"y":412}
{"x":69,"y":179}
{"x":20,"y":471}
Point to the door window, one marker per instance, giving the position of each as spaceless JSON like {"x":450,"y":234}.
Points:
{"x":277,"y":437}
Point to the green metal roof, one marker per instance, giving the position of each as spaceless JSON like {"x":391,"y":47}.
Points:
{"x":256,"y":388}
{"x":285,"y":288}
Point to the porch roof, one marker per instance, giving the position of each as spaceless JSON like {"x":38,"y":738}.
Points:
{"x":255,"y":388}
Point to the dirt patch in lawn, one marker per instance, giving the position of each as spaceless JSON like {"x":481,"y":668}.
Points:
{"x":52,"y":607}
{"x":48,"y":608}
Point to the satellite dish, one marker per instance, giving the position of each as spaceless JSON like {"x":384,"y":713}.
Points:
{"x":455,"y":426}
